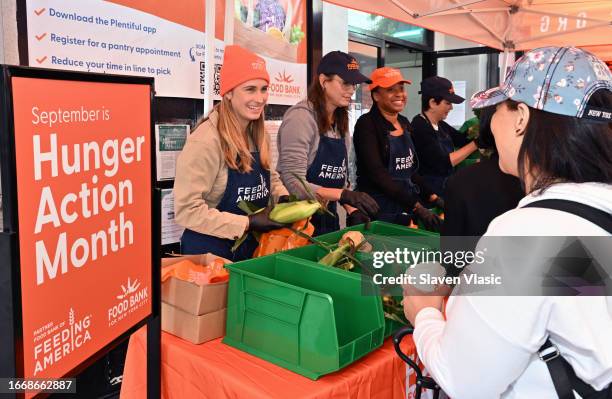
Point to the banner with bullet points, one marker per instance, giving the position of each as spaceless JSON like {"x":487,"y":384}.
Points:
{"x":124,"y":37}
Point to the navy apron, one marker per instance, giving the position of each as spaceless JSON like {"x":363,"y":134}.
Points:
{"x":253,"y":187}
{"x":329,"y":170}
{"x":437,"y":183}
{"x":403,"y":163}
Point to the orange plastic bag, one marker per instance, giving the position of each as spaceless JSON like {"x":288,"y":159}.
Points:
{"x":283,"y":239}
{"x":188,"y":271}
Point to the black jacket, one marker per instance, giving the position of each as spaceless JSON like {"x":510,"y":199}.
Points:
{"x":476,"y":195}
{"x":434,"y":161}
{"x":371,"y":143}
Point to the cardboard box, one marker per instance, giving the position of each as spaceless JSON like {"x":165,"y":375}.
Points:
{"x":196,"y":329}
{"x":190,"y":297}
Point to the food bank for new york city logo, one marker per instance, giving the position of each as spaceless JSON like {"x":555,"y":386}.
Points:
{"x":131,"y":299}
{"x":284,"y":85}
{"x":53,"y":342}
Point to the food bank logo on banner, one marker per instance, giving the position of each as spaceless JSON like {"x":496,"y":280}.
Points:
{"x":57,"y":340}
{"x":285,"y":86}
{"x":131,"y":299}
{"x":83,"y":162}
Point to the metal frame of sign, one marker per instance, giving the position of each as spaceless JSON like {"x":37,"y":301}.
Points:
{"x":11,"y":355}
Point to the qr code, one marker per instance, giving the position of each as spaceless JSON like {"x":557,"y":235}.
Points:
{"x":202,"y":77}
{"x":217,"y":80}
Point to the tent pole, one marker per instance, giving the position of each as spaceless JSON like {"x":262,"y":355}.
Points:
{"x":404,"y":8}
{"x":468,"y":11}
{"x":506,"y":56}
{"x":453,"y":7}
{"x":209,"y":57}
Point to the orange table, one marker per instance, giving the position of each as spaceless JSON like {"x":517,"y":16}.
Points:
{"x":215,"y":371}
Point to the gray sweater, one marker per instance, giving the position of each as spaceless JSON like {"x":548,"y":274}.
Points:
{"x":298,"y":141}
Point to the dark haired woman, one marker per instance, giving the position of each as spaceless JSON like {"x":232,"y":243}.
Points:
{"x":386,"y":159}
{"x":314,"y":143}
{"x":551,"y":131}
{"x":434,"y":139}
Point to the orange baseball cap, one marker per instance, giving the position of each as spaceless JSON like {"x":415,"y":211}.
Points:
{"x":241,"y":65}
{"x":386,"y":77}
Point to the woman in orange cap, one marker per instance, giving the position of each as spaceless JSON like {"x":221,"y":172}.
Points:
{"x":225,"y":160}
{"x":386,"y":157}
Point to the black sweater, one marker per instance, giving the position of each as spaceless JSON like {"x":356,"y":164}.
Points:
{"x":476,"y":195}
{"x":371,"y":143}
{"x":433,"y":161}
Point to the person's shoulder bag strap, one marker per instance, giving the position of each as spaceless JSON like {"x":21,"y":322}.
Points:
{"x":563,"y":376}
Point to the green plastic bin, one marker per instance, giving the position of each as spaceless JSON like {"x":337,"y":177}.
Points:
{"x":378,"y":228}
{"x":314,"y":253}
{"x":391,"y":326}
{"x":307,"y":318}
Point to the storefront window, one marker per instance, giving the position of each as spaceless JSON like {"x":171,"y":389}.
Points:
{"x":469,"y":75}
{"x":367,"y":56}
{"x":386,"y":27}
{"x":411,"y":66}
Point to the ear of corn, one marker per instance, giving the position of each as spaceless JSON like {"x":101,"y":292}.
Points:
{"x":334,"y":256}
{"x":293,"y":211}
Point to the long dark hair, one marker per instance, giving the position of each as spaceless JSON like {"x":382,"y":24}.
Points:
{"x":558,"y":148}
{"x":486,"y":139}
{"x":316,"y":96}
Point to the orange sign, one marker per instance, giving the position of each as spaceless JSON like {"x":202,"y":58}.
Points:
{"x":84,"y":199}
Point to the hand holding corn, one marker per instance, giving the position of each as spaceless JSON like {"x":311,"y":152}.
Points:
{"x":261,"y":221}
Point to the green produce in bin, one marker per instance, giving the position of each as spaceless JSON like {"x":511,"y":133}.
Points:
{"x":307,"y":318}
{"x":315,"y":253}
{"x":378,"y":228}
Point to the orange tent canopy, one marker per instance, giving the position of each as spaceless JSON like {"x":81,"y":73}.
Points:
{"x":507,"y":25}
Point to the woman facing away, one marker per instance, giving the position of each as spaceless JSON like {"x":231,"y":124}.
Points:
{"x":552,"y":130}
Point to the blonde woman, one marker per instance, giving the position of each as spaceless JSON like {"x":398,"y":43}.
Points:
{"x":227,"y":159}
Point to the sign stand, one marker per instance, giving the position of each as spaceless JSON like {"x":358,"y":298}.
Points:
{"x":69,"y":291}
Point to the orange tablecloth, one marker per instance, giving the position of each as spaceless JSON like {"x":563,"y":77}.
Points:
{"x":215,"y":371}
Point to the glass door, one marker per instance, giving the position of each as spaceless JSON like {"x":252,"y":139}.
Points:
{"x":410,"y":63}
{"x":367,"y":56}
{"x":470,"y":70}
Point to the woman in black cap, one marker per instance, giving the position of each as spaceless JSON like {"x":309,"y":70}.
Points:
{"x":436,"y":140}
{"x":313,"y":143}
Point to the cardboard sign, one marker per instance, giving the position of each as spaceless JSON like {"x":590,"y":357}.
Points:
{"x":83,"y":157}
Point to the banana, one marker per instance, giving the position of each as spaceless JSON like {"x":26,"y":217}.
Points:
{"x":293,"y":211}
